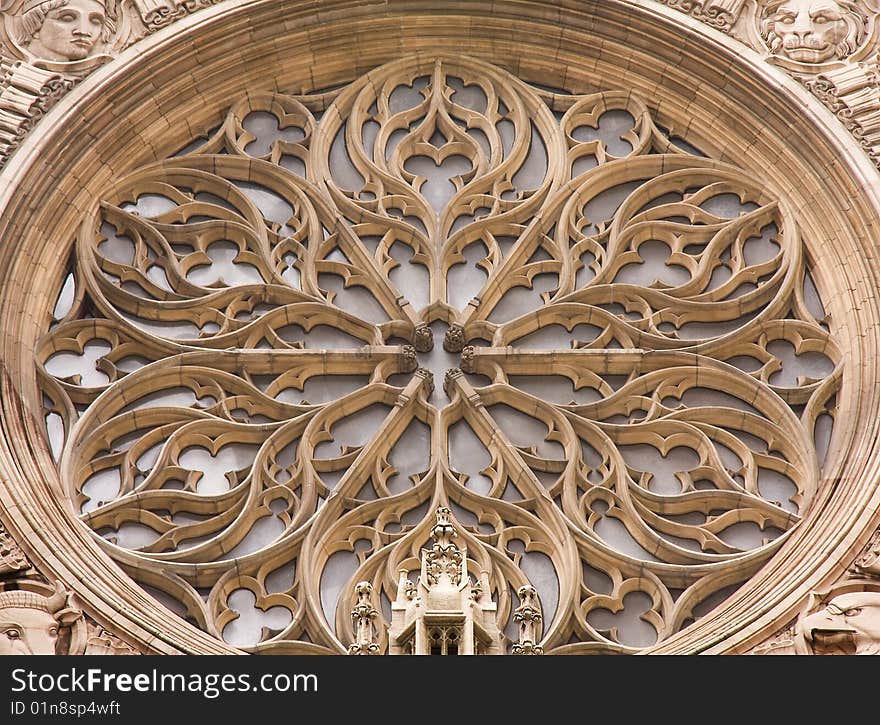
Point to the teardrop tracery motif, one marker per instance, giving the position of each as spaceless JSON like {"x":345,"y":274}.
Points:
{"x":641,"y":366}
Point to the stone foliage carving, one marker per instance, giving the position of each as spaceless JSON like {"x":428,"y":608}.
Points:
{"x":696,"y":362}
{"x":868,"y":564}
{"x":12,"y":558}
{"x":102,"y":642}
{"x":721,"y":14}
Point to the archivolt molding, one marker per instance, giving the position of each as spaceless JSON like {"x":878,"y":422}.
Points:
{"x":834,"y":55}
{"x":830,"y":46}
{"x":561,"y":509}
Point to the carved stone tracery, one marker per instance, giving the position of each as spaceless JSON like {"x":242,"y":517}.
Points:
{"x":691,"y":360}
{"x":840,"y":43}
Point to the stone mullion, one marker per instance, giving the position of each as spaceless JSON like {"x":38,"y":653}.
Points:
{"x":565,"y":556}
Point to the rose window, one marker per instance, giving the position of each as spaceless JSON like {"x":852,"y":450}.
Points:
{"x":280,"y":350}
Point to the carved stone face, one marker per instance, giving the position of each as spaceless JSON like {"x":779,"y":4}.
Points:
{"x":850,"y":623}
{"x":27,"y":631}
{"x":812,"y":31}
{"x":69,"y":32}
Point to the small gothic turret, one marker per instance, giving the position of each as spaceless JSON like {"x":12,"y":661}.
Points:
{"x":528,"y":616}
{"x":446,"y":612}
{"x":363,"y":616}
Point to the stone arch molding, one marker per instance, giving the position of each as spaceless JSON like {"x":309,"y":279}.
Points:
{"x":556,"y":506}
{"x":832,"y":51}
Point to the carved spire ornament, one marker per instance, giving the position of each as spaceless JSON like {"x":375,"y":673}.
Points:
{"x":446,"y":612}
{"x":528,"y":616}
{"x":363,"y":617}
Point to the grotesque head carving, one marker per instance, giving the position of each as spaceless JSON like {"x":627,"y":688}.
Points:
{"x":63,"y":30}
{"x":30,"y":622}
{"x":813,"y":31}
{"x":849,"y":624}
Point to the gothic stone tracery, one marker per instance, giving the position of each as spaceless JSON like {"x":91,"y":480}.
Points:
{"x":254,"y":306}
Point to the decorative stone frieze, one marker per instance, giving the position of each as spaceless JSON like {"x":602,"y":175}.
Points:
{"x":721,"y":14}
{"x":12,"y":558}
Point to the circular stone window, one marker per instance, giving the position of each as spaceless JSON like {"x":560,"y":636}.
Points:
{"x":321,"y":319}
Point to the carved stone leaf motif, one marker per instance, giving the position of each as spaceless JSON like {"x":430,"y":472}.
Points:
{"x":242,"y":419}
{"x":12,"y":558}
{"x":721,"y":14}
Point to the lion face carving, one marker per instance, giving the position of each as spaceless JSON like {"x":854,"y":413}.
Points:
{"x":849,"y":624}
{"x":813,"y":31}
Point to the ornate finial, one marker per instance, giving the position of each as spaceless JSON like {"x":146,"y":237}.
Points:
{"x":429,"y":380}
{"x":410,"y":359}
{"x":467,"y":358}
{"x":528,"y":616}
{"x":362,"y":616}
{"x":423,"y":339}
{"x":454,"y":339}
{"x":449,"y":380}
{"x":443,"y":530}
{"x":443,"y":563}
